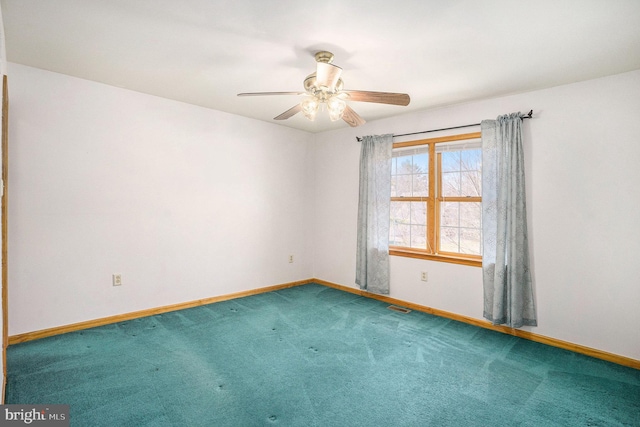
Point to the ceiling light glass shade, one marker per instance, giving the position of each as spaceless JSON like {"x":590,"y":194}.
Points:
{"x":336,"y":108}
{"x":310,"y":107}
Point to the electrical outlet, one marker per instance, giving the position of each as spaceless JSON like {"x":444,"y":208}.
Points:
{"x":423,"y":276}
{"x":290,"y":258}
{"x":117,"y":279}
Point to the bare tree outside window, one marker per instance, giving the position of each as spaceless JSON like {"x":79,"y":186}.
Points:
{"x":436,"y":190}
{"x":460,"y":217}
{"x":409,"y":179}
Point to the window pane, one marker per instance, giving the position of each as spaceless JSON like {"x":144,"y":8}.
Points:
{"x":470,"y":214}
{"x":449,"y":239}
{"x":421,"y":185}
{"x":399,"y":231}
{"x":462,"y":173}
{"x":450,"y":214}
{"x":470,"y":241}
{"x":461,"y":227}
{"x":403,"y":185}
{"x":408,"y":224}
{"x":471,"y":160}
{"x":471,"y":184}
{"x":450,"y":184}
{"x":418,"y":213}
{"x":421,"y":163}
{"x":419,"y":236}
{"x":401,"y":234}
{"x":400,"y":212}
{"x":450,"y":161}
{"x":405,"y":166}
{"x":410,"y":175}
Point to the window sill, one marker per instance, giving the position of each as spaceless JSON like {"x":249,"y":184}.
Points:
{"x":474,"y":262}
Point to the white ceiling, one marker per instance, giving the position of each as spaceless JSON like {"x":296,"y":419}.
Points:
{"x":440,"y":52}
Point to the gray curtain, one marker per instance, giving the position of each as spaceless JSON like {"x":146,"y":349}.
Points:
{"x":508,"y":291}
{"x":372,"y":259}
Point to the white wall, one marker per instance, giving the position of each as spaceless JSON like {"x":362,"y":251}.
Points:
{"x":583,"y":183}
{"x":184,"y":202}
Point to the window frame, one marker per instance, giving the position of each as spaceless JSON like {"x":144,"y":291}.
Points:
{"x":433,"y":202}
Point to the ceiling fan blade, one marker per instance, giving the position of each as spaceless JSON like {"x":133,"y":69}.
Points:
{"x":378,"y":97}
{"x":290,"y":112}
{"x":327,"y":75}
{"x":352,"y":118}
{"x":270,"y":93}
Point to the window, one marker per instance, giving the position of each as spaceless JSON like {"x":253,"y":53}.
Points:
{"x":436,"y":199}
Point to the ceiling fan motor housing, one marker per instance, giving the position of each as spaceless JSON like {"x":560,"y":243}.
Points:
{"x":312,"y":88}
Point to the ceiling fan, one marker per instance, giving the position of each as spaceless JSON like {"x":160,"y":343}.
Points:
{"x":325,"y":87}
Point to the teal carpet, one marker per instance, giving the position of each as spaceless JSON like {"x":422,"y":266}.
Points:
{"x":315,"y":356}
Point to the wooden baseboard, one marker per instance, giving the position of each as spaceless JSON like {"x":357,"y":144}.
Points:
{"x":29,"y":336}
{"x":576,"y":348}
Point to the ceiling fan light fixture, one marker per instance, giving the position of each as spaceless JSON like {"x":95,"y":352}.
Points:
{"x":336,"y":107}
{"x":310,"y":107}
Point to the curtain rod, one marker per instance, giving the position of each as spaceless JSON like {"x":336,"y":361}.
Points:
{"x":529,"y":115}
